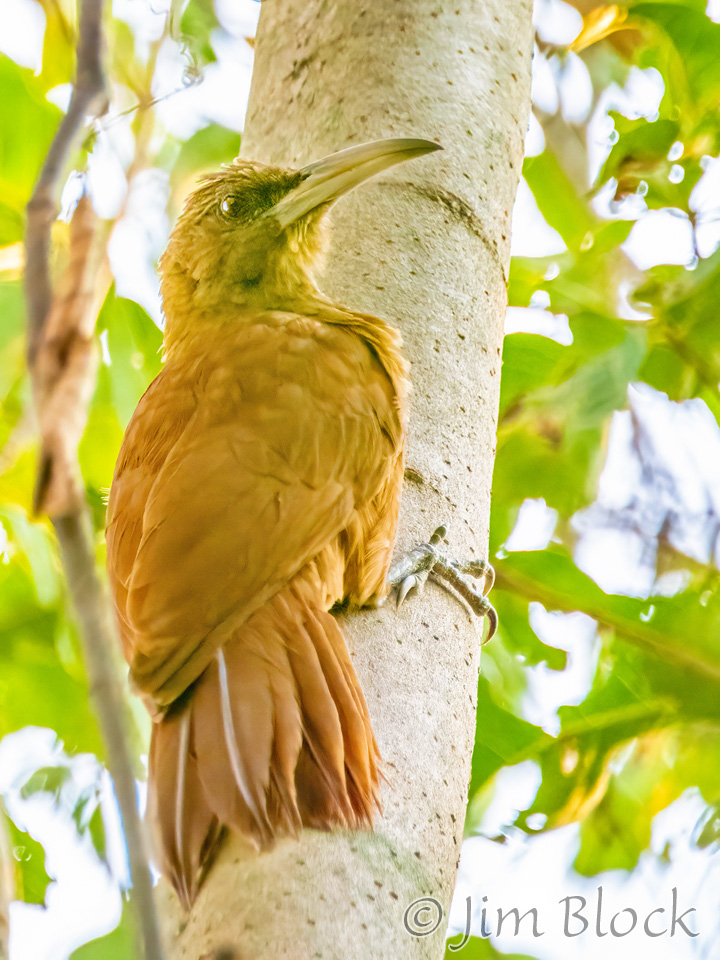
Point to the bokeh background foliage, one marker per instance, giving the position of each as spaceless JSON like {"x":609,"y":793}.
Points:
{"x":647,"y":728}
{"x":656,"y":683}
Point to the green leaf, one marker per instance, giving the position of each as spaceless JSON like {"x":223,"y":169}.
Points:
{"x":663,"y":192}
{"x":13,"y":378}
{"x":557,"y":199}
{"x":664,"y":369}
{"x":614,"y":835}
{"x":685,"y":357}
{"x":100,"y":443}
{"x":31,"y":878}
{"x":34,"y":549}
{"x":35,"y":687}
{"x":85,"y":811}
{"x":119,"y":944}
{"x":710,"y":833}
{"x":518,"y":636}
{"x":536,"y":460}
{"x":58,"y":58}
{"x":198,"y":22}
{"x":580,"y":281}
{"x":549,"y":437}
{"x":659,"y":768}
{"x":27,"y":125}
{"x":672,"y":638}
{"x":47,"y":780}
{"x":12,"y":225}
{"x":205,"y":150}
{"x":124,"y":63}
{"x":697,"y":40}
{"x":619,"y":828}
{"x":529,"y":361}
{"x":600,"y":384}
{"x":641,"y":145}
{"x":478,"y":948}
{"x":134,"y":344}
{"x":501,"y":738}
{"x":527,"y":275}
{"x":96,"y":829}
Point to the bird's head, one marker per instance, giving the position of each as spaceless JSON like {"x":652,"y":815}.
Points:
{"x":251,"y":235}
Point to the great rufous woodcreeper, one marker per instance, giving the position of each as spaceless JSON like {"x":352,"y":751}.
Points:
{"x":257,"y":485}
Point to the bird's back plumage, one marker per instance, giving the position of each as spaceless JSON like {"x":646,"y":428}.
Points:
{"x":257,"y":485}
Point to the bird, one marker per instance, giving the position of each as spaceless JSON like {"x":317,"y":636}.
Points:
{"x":257,"y":487}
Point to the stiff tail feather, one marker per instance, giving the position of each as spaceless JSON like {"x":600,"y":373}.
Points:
{"x":186,"y":829}
{"x":274,"y":735}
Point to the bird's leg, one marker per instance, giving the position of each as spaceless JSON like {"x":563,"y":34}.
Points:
{"x":412,"y":571}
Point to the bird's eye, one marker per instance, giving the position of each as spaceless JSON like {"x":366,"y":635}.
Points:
{"x":240,"y":207}
{"x":227,"y":207}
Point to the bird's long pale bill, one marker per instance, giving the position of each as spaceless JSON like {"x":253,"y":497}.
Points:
{"x":329,"y":178}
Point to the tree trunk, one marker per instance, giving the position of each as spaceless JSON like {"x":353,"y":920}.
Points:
{"x":426,"y":246}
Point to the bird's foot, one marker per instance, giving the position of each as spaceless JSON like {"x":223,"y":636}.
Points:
{"x":412,"y":571}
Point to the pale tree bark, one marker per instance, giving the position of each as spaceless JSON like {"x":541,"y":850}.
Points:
{"x":427,"y":247}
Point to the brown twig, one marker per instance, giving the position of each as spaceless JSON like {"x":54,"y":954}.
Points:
{"x":61,"y":362}
{"x":88,"y":94}
{"x":63,"y":368}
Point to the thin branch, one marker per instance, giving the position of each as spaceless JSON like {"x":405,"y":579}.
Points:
{"x":61,"y":359}
{"x":88,"y":94}
{"x":75,"y":537}
{"x":63,"y":370}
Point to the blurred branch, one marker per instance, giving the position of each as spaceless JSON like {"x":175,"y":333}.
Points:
{"x":62,"y":366}
{"x":63,"y":369}
{"x":88,"y":95}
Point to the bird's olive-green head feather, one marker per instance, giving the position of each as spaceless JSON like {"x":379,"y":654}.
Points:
{"x":228,"y":251}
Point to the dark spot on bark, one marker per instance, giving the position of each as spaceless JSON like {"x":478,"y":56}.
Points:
{"x":225,"y":953}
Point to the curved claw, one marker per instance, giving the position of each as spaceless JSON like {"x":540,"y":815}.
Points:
{"x":488,"y":584}
{"x":492,"y":618}
{"x":409,"y":583}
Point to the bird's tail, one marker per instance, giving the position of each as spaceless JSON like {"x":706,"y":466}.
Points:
{"x":274,"y":735}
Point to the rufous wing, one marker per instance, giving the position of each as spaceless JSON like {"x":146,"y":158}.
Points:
{"x":287,"y":437}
